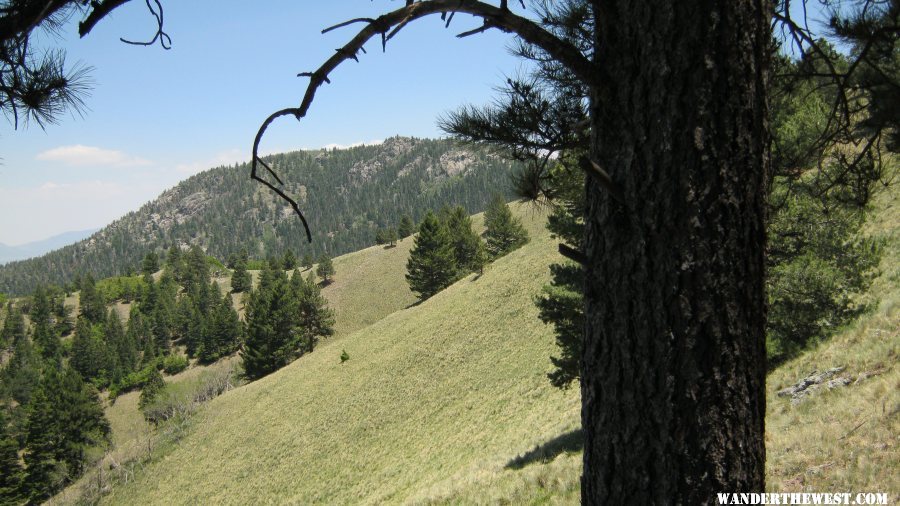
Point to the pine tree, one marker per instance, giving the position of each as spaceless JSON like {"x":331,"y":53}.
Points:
{"x":432,"y":264}
{"x":13,"y":326}
{"x":122,"y":356}
{"x":314,"y":319}
{"x":87,"y":351}
{"x":308,"y":261}
{"x":11,"y":471}
{"x":270,"y":342}
{"x":240,"y":278}
{"x":391,"y":236}
{"x":380,"y":236}
{"x":504,"y":232}
{"x":221,"y":333}
{"x":406,"y":227}
{"x":464,"y":240}
{"x":43,"y":334}
{"x":150,"y":264}
{"x":93,"y":307}
{"x":23,"y":372}
{"x":151,"y":388}
{"x":65,"y":419}
{"x":325,"y":269}
{"x":289,"y":262}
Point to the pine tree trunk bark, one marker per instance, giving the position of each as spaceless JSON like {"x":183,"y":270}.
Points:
{"x":673,"y":399}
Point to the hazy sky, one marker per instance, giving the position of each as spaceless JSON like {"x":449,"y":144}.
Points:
{"x":156,"y":117}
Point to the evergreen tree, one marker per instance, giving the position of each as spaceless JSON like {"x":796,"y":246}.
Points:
{"x":325,"y":269}
{"x":390,"y":236}
{"x":314,"y":319}
{"x":432,"y":264}
{"x":175,"y":262}
{"x":221,"y":331}
{"x":43,"y":334}
{"x":504,"y":232}
{"x":122,"y":355}
{"x":13,"y":326}
{"x":270,"y":342}
{"x":87,"y":351}
{"x":406,"y":227}
{"x":289,"y":262}
{"x":308,"y":261}
{"x":380,"y":236}
{"x":150,"y":264}
{"x":464,"y":240}
{"x":23,"y":372}
{"x":240,"y":278}
{"x":151,"y":388}
{"x":11,"y":471}
{"x":93,"y":307}
{"x":65,"y":419}
{"x":196,"y":269}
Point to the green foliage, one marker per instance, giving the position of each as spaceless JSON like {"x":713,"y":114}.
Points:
{"x":270,"y":342}
{"x":325,"y":270}
{"x":313,"y":318}
{"x":23,"y":371}
{"x":222,"y":331}
{"x":89,"y":354}
{"x":819,"y":263}
{"x":240,"y":278}
{"x":11,"y":471}
{"x":43,"y":331}
{"x":344,"y":356}
{"x":92,"y":304}
{"x":289,"y":261}
{"x":406,"y":228}
{"x":504,"y":232}
{"x":150,"y":263}
{"x":13,"y":327}
{"x":432,"y":262}
{"x":123,"y":288}
{"x":308,"y":261}
{"x":466,"y":243}
{"x":174,"y":364}
{"x":227,"y":200}
{"x":65,"y":420}
{"x":152,"y":386}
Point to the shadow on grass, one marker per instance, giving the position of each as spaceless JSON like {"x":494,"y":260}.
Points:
{"x":568,"y":442}
{"x":416,"y":303}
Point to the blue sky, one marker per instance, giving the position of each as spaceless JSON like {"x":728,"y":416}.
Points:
{"x":156,"y":117}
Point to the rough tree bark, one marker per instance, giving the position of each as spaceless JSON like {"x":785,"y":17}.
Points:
{"x":673,"y":382}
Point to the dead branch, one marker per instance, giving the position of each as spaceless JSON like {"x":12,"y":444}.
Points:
{"x":387,"y":26}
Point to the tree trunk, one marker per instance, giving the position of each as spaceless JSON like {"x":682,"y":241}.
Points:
{"x":673,"y":399}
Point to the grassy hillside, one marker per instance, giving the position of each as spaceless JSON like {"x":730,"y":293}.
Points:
{"x":434,"y":397}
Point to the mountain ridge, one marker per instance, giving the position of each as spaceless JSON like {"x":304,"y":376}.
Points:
{"x":11,"y":253}
{"x":345,"y":194}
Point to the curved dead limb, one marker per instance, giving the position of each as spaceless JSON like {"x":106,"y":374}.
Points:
{"x":164,"y":40}
{"x":387,"y":25}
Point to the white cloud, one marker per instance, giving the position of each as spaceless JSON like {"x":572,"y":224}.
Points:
{"x":80,"y":155}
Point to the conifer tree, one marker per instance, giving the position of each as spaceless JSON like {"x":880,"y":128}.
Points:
{"x":380,"y":236}
{"x":465,"y":241}
{"x":122,"y":355}
{"x":221,"y":332}
{"x":406,"y":227}
{"x":151,"y":388}
{"x":11,"y":471}
{"x":432,"y":264}
{"x":43,"y":334}
{"x":314,"y":319}
{"x":308,"y":261}
{"x":270,"y":342}
{"x":289,"y":261}
{"x":65,"y":419}
{"x":13,"y":326}
{"x":504,"y":232}
{"x":391,"y":236}
{"x":138,"y":334}
{"x":240,"y":278}
{"x":325,"y":269}
{"x":23,"y":372}
{"x":87,"y":351}
{"x":93,"y":307}
{"x":150,"y":264}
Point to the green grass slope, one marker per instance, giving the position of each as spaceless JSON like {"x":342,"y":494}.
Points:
{"x":435,"y":398}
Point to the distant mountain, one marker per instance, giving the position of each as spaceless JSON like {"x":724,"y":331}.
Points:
{"x":37,"y":248}
{"x":345,"y":195}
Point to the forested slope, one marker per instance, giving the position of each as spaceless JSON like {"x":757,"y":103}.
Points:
{"x":346,"y":194}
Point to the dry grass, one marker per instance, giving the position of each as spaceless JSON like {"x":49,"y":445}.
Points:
{"x":435,"y":401}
